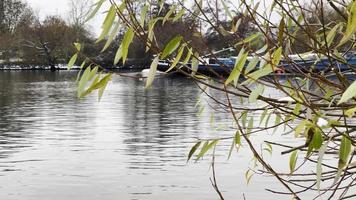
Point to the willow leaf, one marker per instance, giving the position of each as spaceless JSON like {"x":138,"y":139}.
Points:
{"x":281,"y":31}
{"x":109,"y":20}
{"x":251,"y":65}
{"x":143,"y":15}
{"x":169,"y":13}
{"x":319,"y":165}
{"x":349,"y":93}
{"x":293,"y":161}
{"x":128,"y":37}
{"x":351,"y":25}
{"x":83,"y":81}
{"x":256,"y":92}
{"x":179,"y":15}
{"x":152,"y":72}
{"x":95,"y":10}
{"x":171,"y":46}
{"x":195,"y":63}
{"x":114,"y":32}
{"x":317,"y":140}
{"x":72,"y":61}
{"x":277,"y":55}
{"x":344,"y":152}
{"x":176,"y":59}
{"x":206,"y":148}
{"x":350,"y":112}
{"x":239,"y":64}
{"x":193,"y":150}
{"x":252,"y":77}
{"x":77,"y":46}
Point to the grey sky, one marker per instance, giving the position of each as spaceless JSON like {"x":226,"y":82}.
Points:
{"x":59,"y":7}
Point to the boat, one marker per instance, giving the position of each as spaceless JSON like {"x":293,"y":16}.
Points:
{"x":315,"y":63}
{"x":291,"y":65}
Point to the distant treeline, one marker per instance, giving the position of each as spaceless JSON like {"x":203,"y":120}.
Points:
{"x":25,"y":39}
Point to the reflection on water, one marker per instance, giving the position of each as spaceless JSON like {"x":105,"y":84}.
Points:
{"x":131,"y":145}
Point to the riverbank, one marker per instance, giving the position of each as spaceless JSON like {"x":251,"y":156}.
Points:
{"x":63,"y":67}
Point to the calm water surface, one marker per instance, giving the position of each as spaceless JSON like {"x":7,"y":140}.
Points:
{"x":131,"y":145}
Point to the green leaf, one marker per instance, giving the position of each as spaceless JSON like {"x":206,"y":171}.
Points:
{"x":244,"y":118}
{"x":123,"y":50}
{"x":118,"y":55}
{"x":236,"y":26}
{"x":256,"y":92}
{"x":331,"y":35}
{"x":171,"y":46}
{"x":249,"y":38}
{"x":251,"y":65}
{"x":179,"y":15}
{"x":152,"y":72}
{"x":97,"y":85}
{"x":281,"y":31}
{"x":317,"y":140}
{"x":277,"y":55}
{"x":161,"y":3}
{"x":239,"y":64}
{"x":193,"y":150}
{"x":109,"y":20}
{"x":297,"y":109}
{"x":95,"y":10}
{"x":237,"y":138}
{"x":176,"y":59}
{"x":349,"y":93}
{"x":93,"y":72}
{"x":207,"y":146}
{"x":299,"y":128}
{"x":293,"y":161}
{"x":195,"y":63}
{"x":188,"y":56}
{"x":80,"y":72}
{"x":262,"y":50}
{"x":150,"y":36}
{"x":143,"y":15}
{"x":351,"y":25}
{"x":114,"y":32}
{"x":102,"y":87}
{"x":248,"y":176}
{"x":350,"y":112}
{"x":344,"y":152}
{"x":72,"y":61}
{"x":263,"y":115}
{"x":77,"y":46}
{"x":128,"y":37}
{"x":83,"y":81}
{"x":268,"y":148}
{"x":169,"y":13}
{"x":319,"y":165}
{"x":252,"y":77}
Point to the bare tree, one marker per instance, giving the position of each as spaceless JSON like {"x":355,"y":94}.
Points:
{"x":11,"y":12}
{"x":78,"y":12}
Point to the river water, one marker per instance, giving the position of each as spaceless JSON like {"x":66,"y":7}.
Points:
{"x":131,"y":145}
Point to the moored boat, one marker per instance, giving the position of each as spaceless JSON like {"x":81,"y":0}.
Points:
{"x":291,"y":65}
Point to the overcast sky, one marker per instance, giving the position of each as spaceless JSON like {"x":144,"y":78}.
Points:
{"x":59,"y":7}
